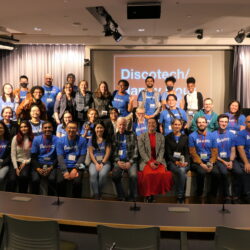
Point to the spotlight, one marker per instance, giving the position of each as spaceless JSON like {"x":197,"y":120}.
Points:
{"x":107,"y":30}
{"x":199,"y":33}
{"x":240,"y":36}
{"x":117,"y":36}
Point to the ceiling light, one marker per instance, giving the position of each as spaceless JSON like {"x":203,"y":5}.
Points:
{"x":199,"y":33}
{"x":6,"y":46}
{"x":141,"y":30}
{"x":240,"y":36}
{"x":107,"y":30}
{"x":117,"y":36}
{"x":37,"y":29}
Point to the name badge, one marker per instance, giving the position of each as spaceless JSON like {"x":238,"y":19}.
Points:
{"x":49,"y":100}
{"x":104,"y":112}
{"x":152,"y":105}
{"x":203,"y":156}
{"x":120,"y":152}
{"x":169,"y":127}
{"x":190,"y":112}
{"x":99,"y":157}
{"x":232,"y":131}
{"x":46,"y":158}
{"x":71,"y":157}
{"x":223,"y":154}
{"x":177,"y":155}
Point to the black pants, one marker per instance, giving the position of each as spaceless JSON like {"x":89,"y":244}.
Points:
{"x":200,"y":179}
{"x":76,"y":184}
{"x":36,"y":178}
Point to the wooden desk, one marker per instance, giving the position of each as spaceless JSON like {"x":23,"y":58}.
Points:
{"x":83,"y":212}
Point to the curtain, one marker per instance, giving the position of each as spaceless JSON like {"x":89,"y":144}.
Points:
{"x":37,"y":60}
{"x":241,"y":75}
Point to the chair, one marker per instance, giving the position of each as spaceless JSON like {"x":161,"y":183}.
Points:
{"x":232,"y":239}
{"x":125,"y":239}
{"x":29,"y":235}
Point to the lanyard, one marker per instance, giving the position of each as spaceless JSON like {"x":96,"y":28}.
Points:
{"x":47,"y":145}
{"x":203,"y":141}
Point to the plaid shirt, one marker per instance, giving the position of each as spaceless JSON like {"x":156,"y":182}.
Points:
{"x":131,"y":147}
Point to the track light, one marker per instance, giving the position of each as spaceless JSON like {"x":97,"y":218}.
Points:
{"x":107,"y":30}
{"x":240,"y":36}
{"x":6,"y":45}
{"x":199,"y":33}
{"x":117,"y":36}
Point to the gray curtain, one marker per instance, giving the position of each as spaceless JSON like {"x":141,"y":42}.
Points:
{"x":241,"y":75}
{"x":37,"y":60}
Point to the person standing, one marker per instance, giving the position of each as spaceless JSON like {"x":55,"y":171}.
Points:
{"x":23,"y":90}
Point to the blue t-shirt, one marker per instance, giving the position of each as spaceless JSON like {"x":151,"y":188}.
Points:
{"x":71,"y":149}
{"x":49,"y":97}
{"x":225,"y":142}
{"x":208,"y":117}
{"x":150,"y":103}
{"x":203,"y":144}
{"x":233,"y":125}
{"x":243,"y":139}
{"x":61,"y":130}
{"x":140,"y":128}
{"x":122,"y":147}
{"x":3,"y":147}
{"x":121,"y":103}
{"x":166,"y":119}
{"x":89,"y":133}
{"x":99,"y":152}
{"x":45,"y":149}
{"x":37,"y":128}
{"x":23,"y":95}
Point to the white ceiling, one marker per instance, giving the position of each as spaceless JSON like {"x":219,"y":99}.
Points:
{"x":179,"y":19}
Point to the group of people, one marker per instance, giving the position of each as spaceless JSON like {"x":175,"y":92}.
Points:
{"x":53,"y":133}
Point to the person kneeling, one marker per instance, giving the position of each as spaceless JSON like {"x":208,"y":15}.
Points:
{"x":154,"y":178}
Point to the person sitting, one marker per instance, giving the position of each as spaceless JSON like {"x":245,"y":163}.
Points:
{"x":236,"y":119}
{"x":87,"y":128}
{"x":203,"y":150}
{"x":110,"y":124}
{"x":177,"y":157}
{"x":35,"y":121}
{"x":125,"y":154}
{"x":169,"y":114}
{"x":23,"y":110}
{"x":20,"y":156}
{"x":153,"y":177}
{"x":43,"y":159}
{"x":209,"y":114}
{"x":71,"y":153}
{"x":99,"y":151}
{"x":66,"y":118}
{"x":243,"y":146}
{"x":140,"y":126}
{"x":226,"y":160}
{"x":5,"y":160}
{"x":23,"y":90}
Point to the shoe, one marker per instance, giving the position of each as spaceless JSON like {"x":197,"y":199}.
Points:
{"x":180,"y":200}
{"x":151,"y":199}
{"x":227,"y":200}
{"x":97,"y":197}
{"x":146,"y":199}
{"x":121,"y":198}
{"x":236,"y":200}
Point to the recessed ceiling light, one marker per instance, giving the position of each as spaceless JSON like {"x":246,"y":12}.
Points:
{"x":76,"y":24}
{"x":37,"y":29}
{"x":141,"y":30}
{"x":219,"y":30}
{"x":189,"y":16}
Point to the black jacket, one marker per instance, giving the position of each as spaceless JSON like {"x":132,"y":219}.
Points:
{"x":171,"y":146}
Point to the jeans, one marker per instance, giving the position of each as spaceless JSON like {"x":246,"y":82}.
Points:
{"x":180,"y":173}
{"x":245,"y":179}
{"x":117,"y":174}
{"x":237,"y":172}
{"x":98,"y":178}
{"x":3,"y":172}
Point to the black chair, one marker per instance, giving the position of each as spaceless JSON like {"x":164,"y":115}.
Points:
{"x":125,"y":239}
{"x":29,"y":235}
{"x":232,"y":239}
